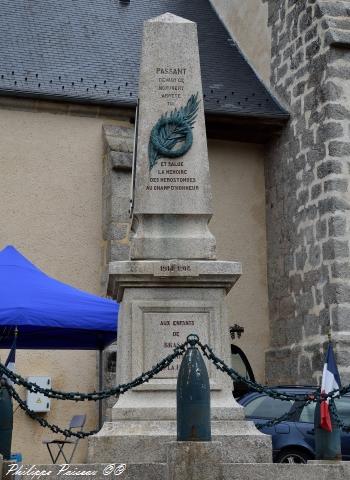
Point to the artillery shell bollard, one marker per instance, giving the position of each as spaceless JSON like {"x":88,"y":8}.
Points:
{"x":193,"y":397}
{"x":194,"y":456}
{"x":6,"y":421}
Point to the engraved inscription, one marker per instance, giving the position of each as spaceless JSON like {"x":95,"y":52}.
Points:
{"x":165,"y":331}
{"x":172,"y":137}
{"x":171,"y":83}
{"x":178,"y":268}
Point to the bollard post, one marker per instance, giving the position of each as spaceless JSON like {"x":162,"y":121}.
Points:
{"x":193,"y":397}
{"x":327,"y":444}
{"x":6,"y":421}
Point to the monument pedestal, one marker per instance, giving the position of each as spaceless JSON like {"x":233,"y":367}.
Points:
{"x":172,"y":286}
{"x":175,"y":236}
{"x":162,"y":302}
{"x":190,"y":460}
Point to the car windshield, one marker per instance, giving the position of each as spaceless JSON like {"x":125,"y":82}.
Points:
{"x":343,"y":408}
{"x":266,"y":407}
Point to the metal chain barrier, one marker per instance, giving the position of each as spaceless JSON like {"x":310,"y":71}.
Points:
{"x":336,"y":418}
{"x":145,"y":377}
{"x":44,"y":423}
{"x":221,"y":365}
{"x":341,"y":392}
{"x":192,"y":340}
{"x":304,"y":399}
{"x":95,"y":396}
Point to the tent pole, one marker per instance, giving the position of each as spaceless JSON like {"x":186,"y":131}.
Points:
{"x":100,"y":387}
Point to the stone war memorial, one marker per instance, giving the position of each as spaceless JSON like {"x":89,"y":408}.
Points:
{"x":173,"y":285}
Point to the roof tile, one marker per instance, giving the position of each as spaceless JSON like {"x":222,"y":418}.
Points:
{"x":89,"y":51}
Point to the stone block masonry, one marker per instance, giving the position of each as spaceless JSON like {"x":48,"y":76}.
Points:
{"x":307,"y":189}
{"x":117,"y":166}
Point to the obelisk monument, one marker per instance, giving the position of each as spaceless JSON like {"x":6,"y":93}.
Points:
{"x":172,"y":285}
{"x":172,"y":202}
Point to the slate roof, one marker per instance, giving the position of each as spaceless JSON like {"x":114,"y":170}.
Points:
{"x":88,"y":51}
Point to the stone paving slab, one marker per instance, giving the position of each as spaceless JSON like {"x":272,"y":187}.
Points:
{"x":277,"y":471}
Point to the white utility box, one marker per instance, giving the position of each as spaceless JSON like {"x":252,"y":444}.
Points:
{"x":37,"y":401}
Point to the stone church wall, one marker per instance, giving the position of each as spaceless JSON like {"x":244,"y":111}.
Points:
{"x":307,"y":184}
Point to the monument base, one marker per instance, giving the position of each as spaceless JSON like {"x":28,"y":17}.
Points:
{"x":190,"y":460}
{"x":162,"y":303}
{"x":145,"y":442}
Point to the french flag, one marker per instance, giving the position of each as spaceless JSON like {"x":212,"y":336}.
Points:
{"x":330,"y":382}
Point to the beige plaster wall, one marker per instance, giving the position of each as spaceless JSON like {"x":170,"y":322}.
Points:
{"x":237,"y":173}
{"x":50,"y":209}
{"x":246,"y":20}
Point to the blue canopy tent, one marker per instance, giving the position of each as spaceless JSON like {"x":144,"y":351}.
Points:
{"x":50,"y":314}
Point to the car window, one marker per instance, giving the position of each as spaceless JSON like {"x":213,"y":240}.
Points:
{"x":343,"y":408}
{"x":308,"y":413}
{"x":266,"y":407}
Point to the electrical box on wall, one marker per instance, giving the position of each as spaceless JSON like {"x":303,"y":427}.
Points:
{"x":37,"y":402}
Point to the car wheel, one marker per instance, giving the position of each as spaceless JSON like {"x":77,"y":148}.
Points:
{"x":293,"y":455}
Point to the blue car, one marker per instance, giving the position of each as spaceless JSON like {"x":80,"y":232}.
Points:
{"x":292,"y":441}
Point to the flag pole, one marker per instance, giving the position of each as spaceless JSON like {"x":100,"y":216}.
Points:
{"x":6,"y":409}
{"x":329,"y":335}
{"x":327,"y":432}
{"x":100,"y":387}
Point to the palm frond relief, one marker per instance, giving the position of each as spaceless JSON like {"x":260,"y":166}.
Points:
{"x":173,"y":128}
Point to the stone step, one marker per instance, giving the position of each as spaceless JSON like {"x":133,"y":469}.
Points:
{"x":238,"y":471}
